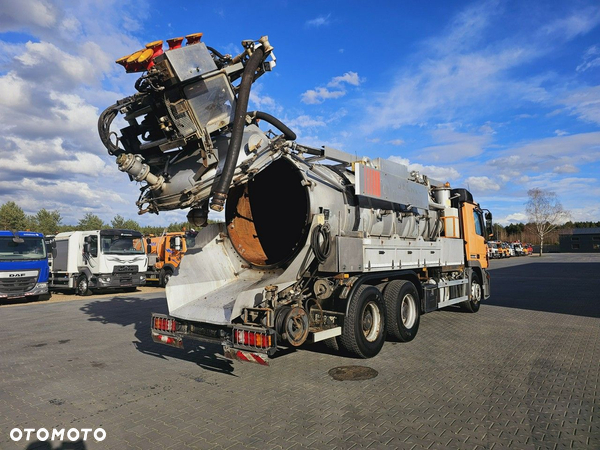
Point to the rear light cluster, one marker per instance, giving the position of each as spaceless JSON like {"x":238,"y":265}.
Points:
{"x":252,"y":339}
{"x":163,"y":324}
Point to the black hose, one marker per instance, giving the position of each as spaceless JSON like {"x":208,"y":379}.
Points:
{"x":289,"y":134}
{"x":319,"y":242}
{"x":220,"y":194}
{"x":104,"y":121}
{"x":215,"y":52}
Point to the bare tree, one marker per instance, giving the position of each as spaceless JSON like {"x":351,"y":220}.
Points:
{"x":545,"y":212}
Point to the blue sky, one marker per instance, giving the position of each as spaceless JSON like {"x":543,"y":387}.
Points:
{"x":496,"y":96}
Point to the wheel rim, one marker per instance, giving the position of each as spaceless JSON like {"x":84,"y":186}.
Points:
{"x":371,"y":321}
{"x":83,"y":286}
{"x":167,"y":276}
{"x":408,"y":311}
{"x":475,"y":292}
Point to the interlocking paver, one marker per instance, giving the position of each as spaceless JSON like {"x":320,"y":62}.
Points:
{"x":522,"y":373}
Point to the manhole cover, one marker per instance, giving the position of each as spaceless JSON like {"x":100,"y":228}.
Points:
{"x":352,"y":373}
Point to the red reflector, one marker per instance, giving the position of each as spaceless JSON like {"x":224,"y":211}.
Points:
{"x":241,"y":356}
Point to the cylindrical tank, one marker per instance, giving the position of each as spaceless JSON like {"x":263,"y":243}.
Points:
{"x":268,"y":218}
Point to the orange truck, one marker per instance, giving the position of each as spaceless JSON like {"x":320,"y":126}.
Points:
{"x":164,"y":255}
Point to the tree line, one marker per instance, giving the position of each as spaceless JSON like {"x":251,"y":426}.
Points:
{"x":526,"y":232}
{"x":12,"y":217}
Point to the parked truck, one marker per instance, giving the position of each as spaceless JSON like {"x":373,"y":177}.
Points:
{"x":23,"y":265}
{"x":317,"y":244}
{"x":98,"y":259}
{"x":164,"y":255}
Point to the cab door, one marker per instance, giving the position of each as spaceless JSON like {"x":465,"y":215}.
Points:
{"x":474,"y":233}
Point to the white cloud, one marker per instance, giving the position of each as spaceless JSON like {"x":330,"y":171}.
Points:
{"x":318,"y":21}
{"x":584,"y":103}
{"x":454,"y":146}
{"x":546,"y":154}
{"x":575,"y":24}
{"x":396,"y":142}
{"x":17,"y":16}
{"x":565,"y":168}
{"x":13,"y":91}
{"x":516,"y":217}
{"x":305,"y":121}
{"x":560,"y":132}
{"x":263,"y":102}
{"x":349,"y":77}
{"x":436,"y":172}
{"x":591,"y":58}
{"x":482,"y":184}
{"x":319,"y":95}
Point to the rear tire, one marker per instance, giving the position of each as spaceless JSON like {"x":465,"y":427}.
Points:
{"x":403,"y":311}
{"x":363,"y":334}
{"x":472,"y":305}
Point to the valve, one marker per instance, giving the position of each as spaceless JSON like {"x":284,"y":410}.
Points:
{"x":134,"y":166}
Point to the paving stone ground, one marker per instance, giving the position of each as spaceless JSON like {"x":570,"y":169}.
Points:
{"x":522,"y":373}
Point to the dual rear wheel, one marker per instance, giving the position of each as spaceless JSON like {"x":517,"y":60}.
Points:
{"x":373,"y":314}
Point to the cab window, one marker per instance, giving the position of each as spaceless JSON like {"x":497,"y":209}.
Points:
{"x":478,"y":223}
{"x":94,"y":246}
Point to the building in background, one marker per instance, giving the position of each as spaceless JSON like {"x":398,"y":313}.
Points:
{"x":580,"y":240}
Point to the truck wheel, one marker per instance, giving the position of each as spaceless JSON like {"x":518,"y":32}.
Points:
{"x":165,"y":275}
{"x":82,"y":287}
{"x":473,"y":304}
{"x":402,"y":308}
{"x":364,"y":326}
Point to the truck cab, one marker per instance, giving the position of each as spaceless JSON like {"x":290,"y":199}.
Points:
{"x":164,"y":255}
{"x":23,"y":265}
{"x":98,"y":259}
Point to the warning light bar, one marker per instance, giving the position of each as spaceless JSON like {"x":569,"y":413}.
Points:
{"x":143,"y":59}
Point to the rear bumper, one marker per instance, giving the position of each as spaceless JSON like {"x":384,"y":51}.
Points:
{"x":239,"y":342}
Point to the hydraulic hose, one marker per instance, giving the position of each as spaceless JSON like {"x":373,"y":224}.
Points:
{"x":104,"y":121}
{"x":220,"y":193}
{"x":289,"y":134}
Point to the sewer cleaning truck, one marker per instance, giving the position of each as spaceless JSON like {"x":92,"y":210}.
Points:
{"x":317,"y":244}
{"x":23,"y":265}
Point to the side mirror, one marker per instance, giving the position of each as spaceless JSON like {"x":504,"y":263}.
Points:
{"x":86,"y":248}
{"x":488,"y":223}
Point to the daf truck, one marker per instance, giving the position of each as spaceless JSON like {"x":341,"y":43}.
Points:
{"x":99,"y":259}
{"x":317,"y":244}
{"x":23,"y":265}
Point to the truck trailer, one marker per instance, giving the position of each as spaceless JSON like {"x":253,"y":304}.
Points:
{"x":317,"y":244}
{"x":98,"y":259}
{"x":23,"y":265}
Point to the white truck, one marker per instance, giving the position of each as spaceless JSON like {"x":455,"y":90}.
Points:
{"x":98,"y":259}
{"x":317,"y":244}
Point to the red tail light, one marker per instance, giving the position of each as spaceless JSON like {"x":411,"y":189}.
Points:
{"x":252,"y":338}
{"x":163,"y":324}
